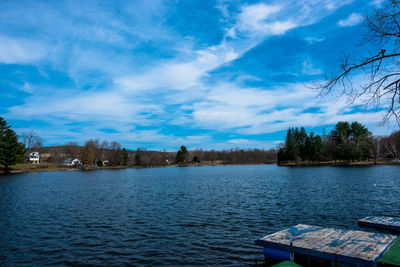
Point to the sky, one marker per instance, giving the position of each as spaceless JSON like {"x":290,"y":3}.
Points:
{"x":160,"y":74}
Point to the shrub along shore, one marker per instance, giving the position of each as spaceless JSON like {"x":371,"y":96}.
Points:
{"x":44,"y":167}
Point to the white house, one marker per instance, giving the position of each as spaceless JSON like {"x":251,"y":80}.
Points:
{"x":72,"y":162}
{"x":34,"y":157}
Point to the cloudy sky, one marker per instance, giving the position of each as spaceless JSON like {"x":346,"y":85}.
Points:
{"x":160,"y":74}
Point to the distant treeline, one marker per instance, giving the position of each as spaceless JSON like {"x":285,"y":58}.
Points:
{"x":95,"y":152}
{"x":346,"y":142}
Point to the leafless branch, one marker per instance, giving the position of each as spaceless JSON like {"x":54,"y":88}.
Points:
{"x":383,"y":85}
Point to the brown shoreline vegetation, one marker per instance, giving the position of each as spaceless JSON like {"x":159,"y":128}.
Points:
{"x":46,"y":167}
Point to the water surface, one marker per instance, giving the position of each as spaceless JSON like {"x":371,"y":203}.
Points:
{"x":179,"y":216}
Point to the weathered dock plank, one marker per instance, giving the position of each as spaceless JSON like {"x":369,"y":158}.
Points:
{"x":348,"y":246}
{"x":381,"y":222}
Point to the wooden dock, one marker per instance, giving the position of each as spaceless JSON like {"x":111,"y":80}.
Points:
{"x":344,"y":246}
{"x":381,"y":222}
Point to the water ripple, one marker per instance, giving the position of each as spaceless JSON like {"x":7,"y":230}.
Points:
{"x":178,"y":216}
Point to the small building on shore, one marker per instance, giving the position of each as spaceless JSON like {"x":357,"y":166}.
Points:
{"x":72,"y":162}
{"x":33,"y":158}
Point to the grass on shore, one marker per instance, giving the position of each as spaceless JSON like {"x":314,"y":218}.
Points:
{"x":42,"y":167}
{"x":27,"y":167}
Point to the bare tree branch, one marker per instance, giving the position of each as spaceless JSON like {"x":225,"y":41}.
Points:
{"x":382,"y":88}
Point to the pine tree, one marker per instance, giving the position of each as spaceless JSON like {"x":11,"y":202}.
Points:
{"x":341,"y":139}
{"x":361,"y":141}
{"x":137,"y":157}
{"x":124,"y":157}
{"x":195,"y":159}
{"x":181,"y":155}
{"x":11,"y":151}
{"x":291,"y":146}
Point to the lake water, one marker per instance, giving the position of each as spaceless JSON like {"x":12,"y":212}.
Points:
{"x":179,"y":216}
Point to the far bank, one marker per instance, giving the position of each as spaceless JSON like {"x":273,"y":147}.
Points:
{"x":46,"y":167}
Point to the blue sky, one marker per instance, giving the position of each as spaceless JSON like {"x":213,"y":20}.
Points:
{"x":160,"y":74}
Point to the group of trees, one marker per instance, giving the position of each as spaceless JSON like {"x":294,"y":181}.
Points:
{"x":94,"y":152}
{"x":31,"y":140}
{"x":349,"y":142}
{"x":91,"y":153}
{"x":346,"y":142}
{"x":300,"y":145}
{"x":11,"y":151}
{"x":387,"y":147}
{"x":232,"y":156}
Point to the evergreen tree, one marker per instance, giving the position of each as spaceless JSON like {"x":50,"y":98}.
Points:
{"x":11,"y":151}
{"x":195,"y":159}
{"x":181,"y":155}
{"x":341,"y":138}
{"x":3,"y":126}
{"x":318,"y":148}
{"x":301,"y":138}
{"x":124,"y":157}
{"x":291,"y":146}
{"x":308,"y":150}
{"x":281,"y":156}
{"x":137,"y":157}
{"x":362,"y":140}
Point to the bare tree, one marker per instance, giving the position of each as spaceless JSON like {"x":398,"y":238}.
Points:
{"x":71,"y":149}
{"x":391,"y":145}
{"x":375,"y":148}
{"x":88,"y":153}
{"x":31,"y":140}
{"x":104,"y":145}
{"x":381,"y":88}
{"x":114,"y":145}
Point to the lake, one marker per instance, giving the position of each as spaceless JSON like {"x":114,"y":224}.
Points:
{"x":179,"y":216}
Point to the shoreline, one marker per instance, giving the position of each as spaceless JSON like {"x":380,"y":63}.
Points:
{"x":337,"y":164}
{"x":46,"y":167}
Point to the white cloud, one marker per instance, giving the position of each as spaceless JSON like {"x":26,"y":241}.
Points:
{"x":252,"y":17}
{"x":278,"y":27}
{"x":249,"y":110}
{"x":243,"y":143}
{"x":308,"y":68}
{"x":260,"y":20}
{"x":351,"y":20}
{"x":26,"y":88}
{"x":20,"y":51}
{"x":142,"y":95}
{"x":102,"y":107}
{"x":333,"y":4}
{"x":255,"y":21}
{"x":179,"y":75}
{"x":313,"y":39}
{"x":377,"y":3}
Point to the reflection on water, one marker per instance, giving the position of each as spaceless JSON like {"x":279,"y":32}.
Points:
{"x":179,"y":216}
